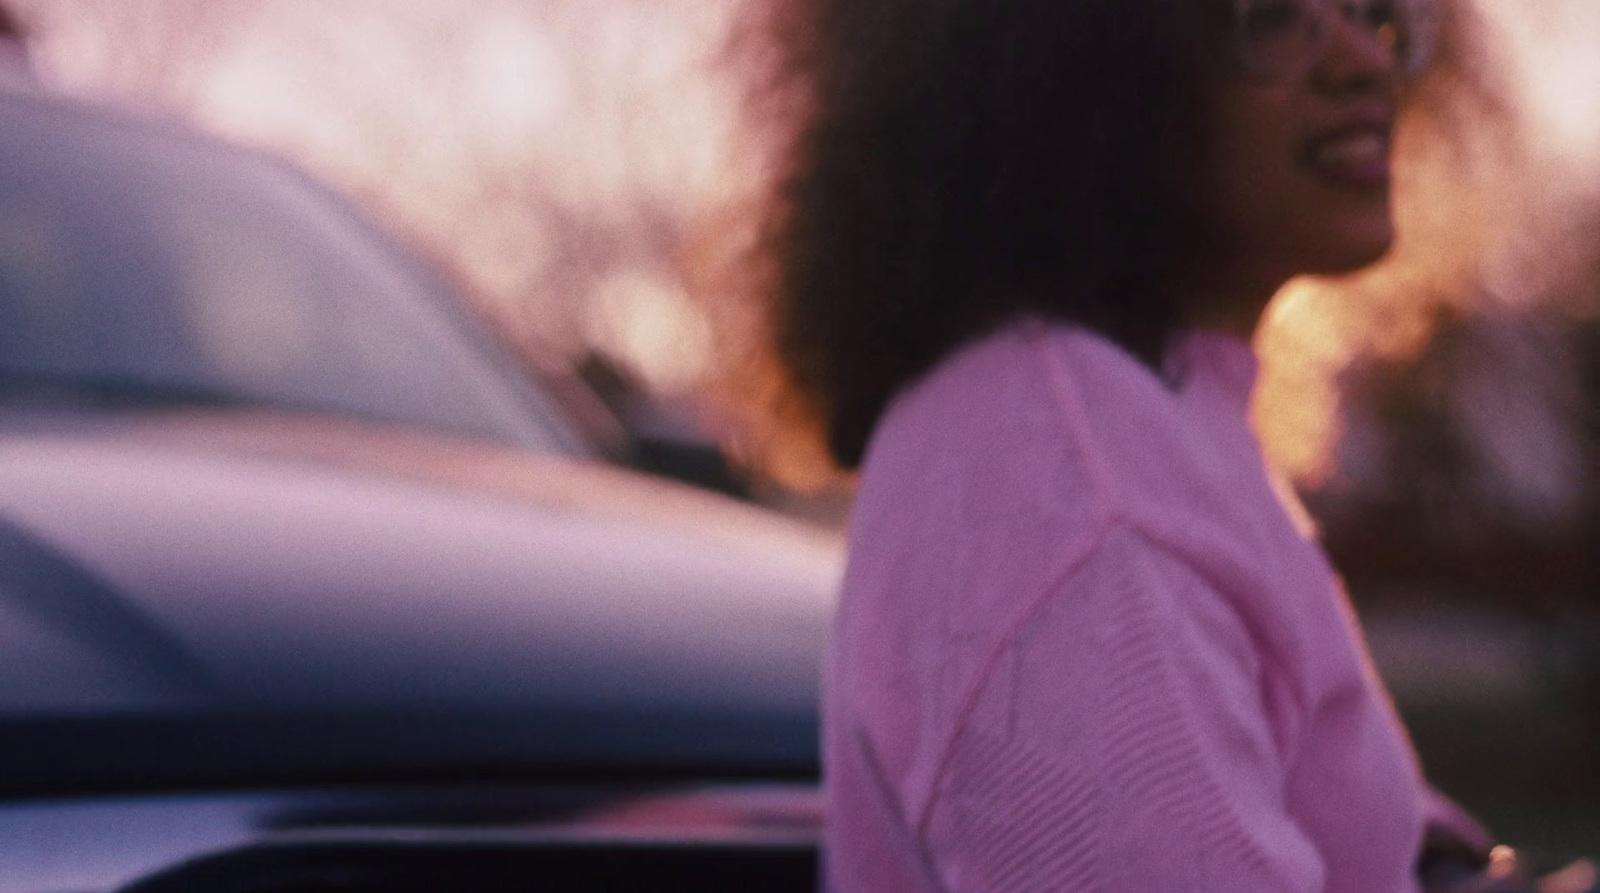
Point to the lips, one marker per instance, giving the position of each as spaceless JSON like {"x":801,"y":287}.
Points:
{"x":1354,"y":157}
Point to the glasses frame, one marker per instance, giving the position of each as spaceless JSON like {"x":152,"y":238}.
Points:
{"x":1413,"y":40}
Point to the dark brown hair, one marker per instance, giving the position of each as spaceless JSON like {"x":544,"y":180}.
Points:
{"x":961,"y":162}
{"x":10,"y":27}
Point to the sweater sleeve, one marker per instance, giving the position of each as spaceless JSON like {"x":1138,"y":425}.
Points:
{"x":1120,"y":741}
{"x":1444,"y":814}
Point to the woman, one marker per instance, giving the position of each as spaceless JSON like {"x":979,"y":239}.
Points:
{"x":1020,"y":251}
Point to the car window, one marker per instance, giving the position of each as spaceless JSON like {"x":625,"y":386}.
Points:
{"x":142,"y":261}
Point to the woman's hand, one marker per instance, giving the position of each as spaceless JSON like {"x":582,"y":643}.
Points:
{"x":1505,"y":873}
{"x":1449,"y":866}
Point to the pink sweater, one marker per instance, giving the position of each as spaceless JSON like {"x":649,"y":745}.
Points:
{"x":1083,"y":647}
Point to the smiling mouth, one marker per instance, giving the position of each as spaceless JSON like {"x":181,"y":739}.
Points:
{"x":1356,"y":159}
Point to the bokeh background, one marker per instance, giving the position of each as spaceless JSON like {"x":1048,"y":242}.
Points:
{"x":566,"y":161}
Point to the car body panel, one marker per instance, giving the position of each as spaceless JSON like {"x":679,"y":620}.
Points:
{"x":105,"y":844}
{"x":297,"y":581}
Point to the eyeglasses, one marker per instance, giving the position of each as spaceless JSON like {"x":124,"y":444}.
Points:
{"x":1278,"y":40}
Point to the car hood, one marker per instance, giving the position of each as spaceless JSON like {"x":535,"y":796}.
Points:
{"x":248,"y":562}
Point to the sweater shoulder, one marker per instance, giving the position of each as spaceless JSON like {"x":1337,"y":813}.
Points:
{"x":977,"y":489}
{"x":987,"y":462}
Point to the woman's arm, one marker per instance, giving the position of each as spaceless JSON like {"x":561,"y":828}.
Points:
{"x":1122,"y":743}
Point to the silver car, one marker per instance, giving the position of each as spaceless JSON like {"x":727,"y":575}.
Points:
{"x":307,"y":584}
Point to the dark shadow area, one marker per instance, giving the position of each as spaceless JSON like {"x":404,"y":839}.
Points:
{"x":1467,"y":525}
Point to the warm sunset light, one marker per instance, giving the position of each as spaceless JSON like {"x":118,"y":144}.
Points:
{"x":556,"y":155}
{"x":1493,"y":198}
{"x":544,"y":152}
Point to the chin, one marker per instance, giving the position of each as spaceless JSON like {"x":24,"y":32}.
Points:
{"x":1352,"y":248}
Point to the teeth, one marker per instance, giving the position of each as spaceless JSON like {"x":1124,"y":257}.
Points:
{"x":1359,"y":148}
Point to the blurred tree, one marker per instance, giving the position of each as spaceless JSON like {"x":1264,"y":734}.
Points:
{"x":542,"y":151}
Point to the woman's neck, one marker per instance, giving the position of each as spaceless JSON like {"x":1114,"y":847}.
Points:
{"x":1232,"y":304}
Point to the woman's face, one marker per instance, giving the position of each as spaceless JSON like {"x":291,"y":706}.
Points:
{"x":1297,"y":172}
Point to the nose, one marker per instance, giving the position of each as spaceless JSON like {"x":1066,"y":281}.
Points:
{"x":1357,"y":58}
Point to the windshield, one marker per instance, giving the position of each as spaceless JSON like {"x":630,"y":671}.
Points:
{"x":141,"y":263}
